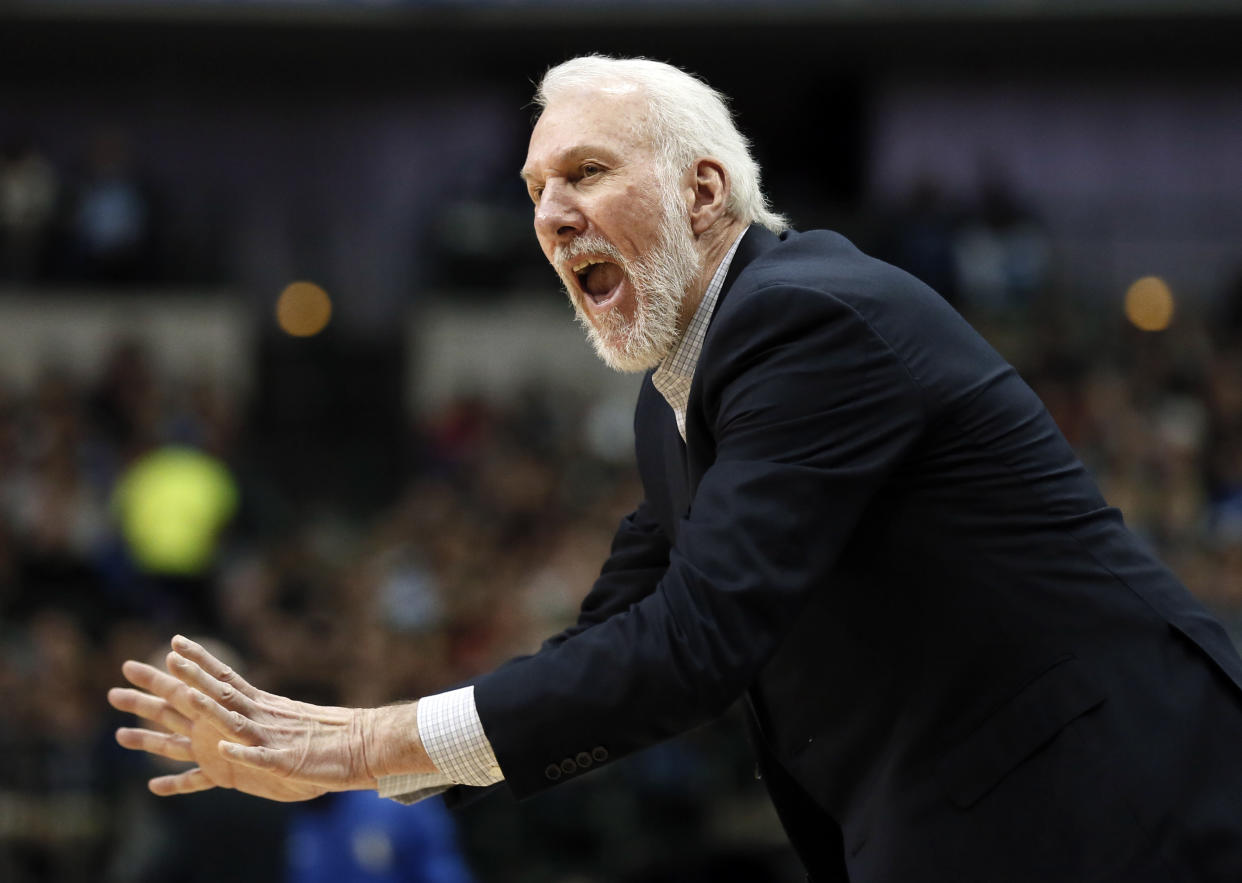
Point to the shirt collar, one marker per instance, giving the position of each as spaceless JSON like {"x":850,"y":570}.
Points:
{"x":672,"y":378}
{"x":684,"y":356}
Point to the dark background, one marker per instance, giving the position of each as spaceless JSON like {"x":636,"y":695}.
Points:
{"x":412,"y":503}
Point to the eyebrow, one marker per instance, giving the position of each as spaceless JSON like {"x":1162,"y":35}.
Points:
{"x":572,"y":154}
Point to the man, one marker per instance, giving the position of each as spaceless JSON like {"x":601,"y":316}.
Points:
{"x":958,"y":663}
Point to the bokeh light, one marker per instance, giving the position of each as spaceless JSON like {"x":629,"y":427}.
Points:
{"x":303,"y":309}
{"x":172,"y":503}
{"x":1149,"y":304}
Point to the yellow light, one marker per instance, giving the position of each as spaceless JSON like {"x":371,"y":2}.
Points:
{"x":1149,"y":304}
{"x":173,"y":503}
{"x":303,"y":309}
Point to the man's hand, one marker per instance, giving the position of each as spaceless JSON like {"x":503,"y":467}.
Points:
{"x":266,"y":745}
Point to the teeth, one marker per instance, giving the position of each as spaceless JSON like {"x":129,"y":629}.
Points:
{"x":578,"y":268}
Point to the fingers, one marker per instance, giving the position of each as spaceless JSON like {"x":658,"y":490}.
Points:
{"x":194,"y":675}
{"x":162,"y":684}
{"x":182,"y":783}
{"x":164,"y":744}
{"x":231,"y":723}
{"x":150,"y":707}
{"x":196,"y":653}
{"x":190,"y":702}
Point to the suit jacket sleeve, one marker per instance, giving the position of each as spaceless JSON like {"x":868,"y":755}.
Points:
{"x":636,"y":562}
{"x":810,"y":411}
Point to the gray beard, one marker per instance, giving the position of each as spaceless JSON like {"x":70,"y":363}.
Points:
{"x":659,"y":279}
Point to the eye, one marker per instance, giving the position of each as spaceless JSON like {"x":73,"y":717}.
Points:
{"x":535,"y":193}
{"x":590,"y":169}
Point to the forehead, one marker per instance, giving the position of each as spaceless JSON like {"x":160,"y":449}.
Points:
{"x":609,"y":118}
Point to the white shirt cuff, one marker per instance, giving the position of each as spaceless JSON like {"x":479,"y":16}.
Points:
{"x":412,"y":787}
{"x":453,"y":737}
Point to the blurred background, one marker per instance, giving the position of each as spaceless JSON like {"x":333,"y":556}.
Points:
{"x":281,"y":365}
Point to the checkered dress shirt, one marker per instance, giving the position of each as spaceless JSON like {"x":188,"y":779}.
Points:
{"x":448,"y":723}
{"x":675,"y":373}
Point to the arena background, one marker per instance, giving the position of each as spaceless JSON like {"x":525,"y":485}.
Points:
{"x":426,"y":485}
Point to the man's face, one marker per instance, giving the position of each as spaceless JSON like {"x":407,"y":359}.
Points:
{"x":612,"y":223}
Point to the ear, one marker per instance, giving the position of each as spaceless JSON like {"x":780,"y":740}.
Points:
{"x":709,"y":190}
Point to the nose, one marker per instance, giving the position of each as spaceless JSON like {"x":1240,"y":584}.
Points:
{"x":557,"y":216}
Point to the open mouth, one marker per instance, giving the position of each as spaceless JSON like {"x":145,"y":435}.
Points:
{"x":599,"y":280}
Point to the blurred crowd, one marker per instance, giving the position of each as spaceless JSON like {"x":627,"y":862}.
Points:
{"x":127,"y":514}
{"x":94,"y":223}
{"x":133,"y":507}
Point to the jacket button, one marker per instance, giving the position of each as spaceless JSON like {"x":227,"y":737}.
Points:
{"x":600,"y":753}
{"x":568,"y":765}
{"x":584,"y":760}
{"x":553,"y":772}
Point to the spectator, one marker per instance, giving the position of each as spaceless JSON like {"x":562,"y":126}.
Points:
{"x":112,"y":222}
{"x":29,"y":189}
{"x":357,"y":837}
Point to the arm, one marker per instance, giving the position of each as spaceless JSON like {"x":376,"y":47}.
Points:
{"x":811,"y":412}
{"x":636,"y":562}
{"x":244,"y":738}
{"x":638,"y":558}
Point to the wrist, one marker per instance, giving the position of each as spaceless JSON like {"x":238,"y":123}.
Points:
{"x":391,"y":743}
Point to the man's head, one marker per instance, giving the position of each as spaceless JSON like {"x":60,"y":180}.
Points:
{"x":640,"y":182}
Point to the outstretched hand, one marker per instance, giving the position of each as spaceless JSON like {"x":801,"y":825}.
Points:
{"x":257,"y":742}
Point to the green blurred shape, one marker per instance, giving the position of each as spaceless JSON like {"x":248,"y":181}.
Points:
{"x":172,"y":505}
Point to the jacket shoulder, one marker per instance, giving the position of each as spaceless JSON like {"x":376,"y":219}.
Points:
{"x":802,"y":278}
{"x":821,"y":262}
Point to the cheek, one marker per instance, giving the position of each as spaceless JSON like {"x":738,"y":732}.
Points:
{"x":635,"y":217}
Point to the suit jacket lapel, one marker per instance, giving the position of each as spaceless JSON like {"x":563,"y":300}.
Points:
{"x":699,"y":453}
{"x":678,"y":475}
{"x":755,"y":241}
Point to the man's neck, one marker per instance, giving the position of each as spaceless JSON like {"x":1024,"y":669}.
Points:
{"x":714,"y":245}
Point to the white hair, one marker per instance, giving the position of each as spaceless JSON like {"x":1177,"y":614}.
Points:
{"x":687,"y":120}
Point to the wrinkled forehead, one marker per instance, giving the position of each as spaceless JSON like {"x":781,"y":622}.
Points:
{"x":614,"y":116}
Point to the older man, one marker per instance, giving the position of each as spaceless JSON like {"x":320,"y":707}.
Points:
{"x":958,"y":663}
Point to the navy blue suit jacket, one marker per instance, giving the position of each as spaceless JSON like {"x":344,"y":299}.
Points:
{"x":958,"y":662}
